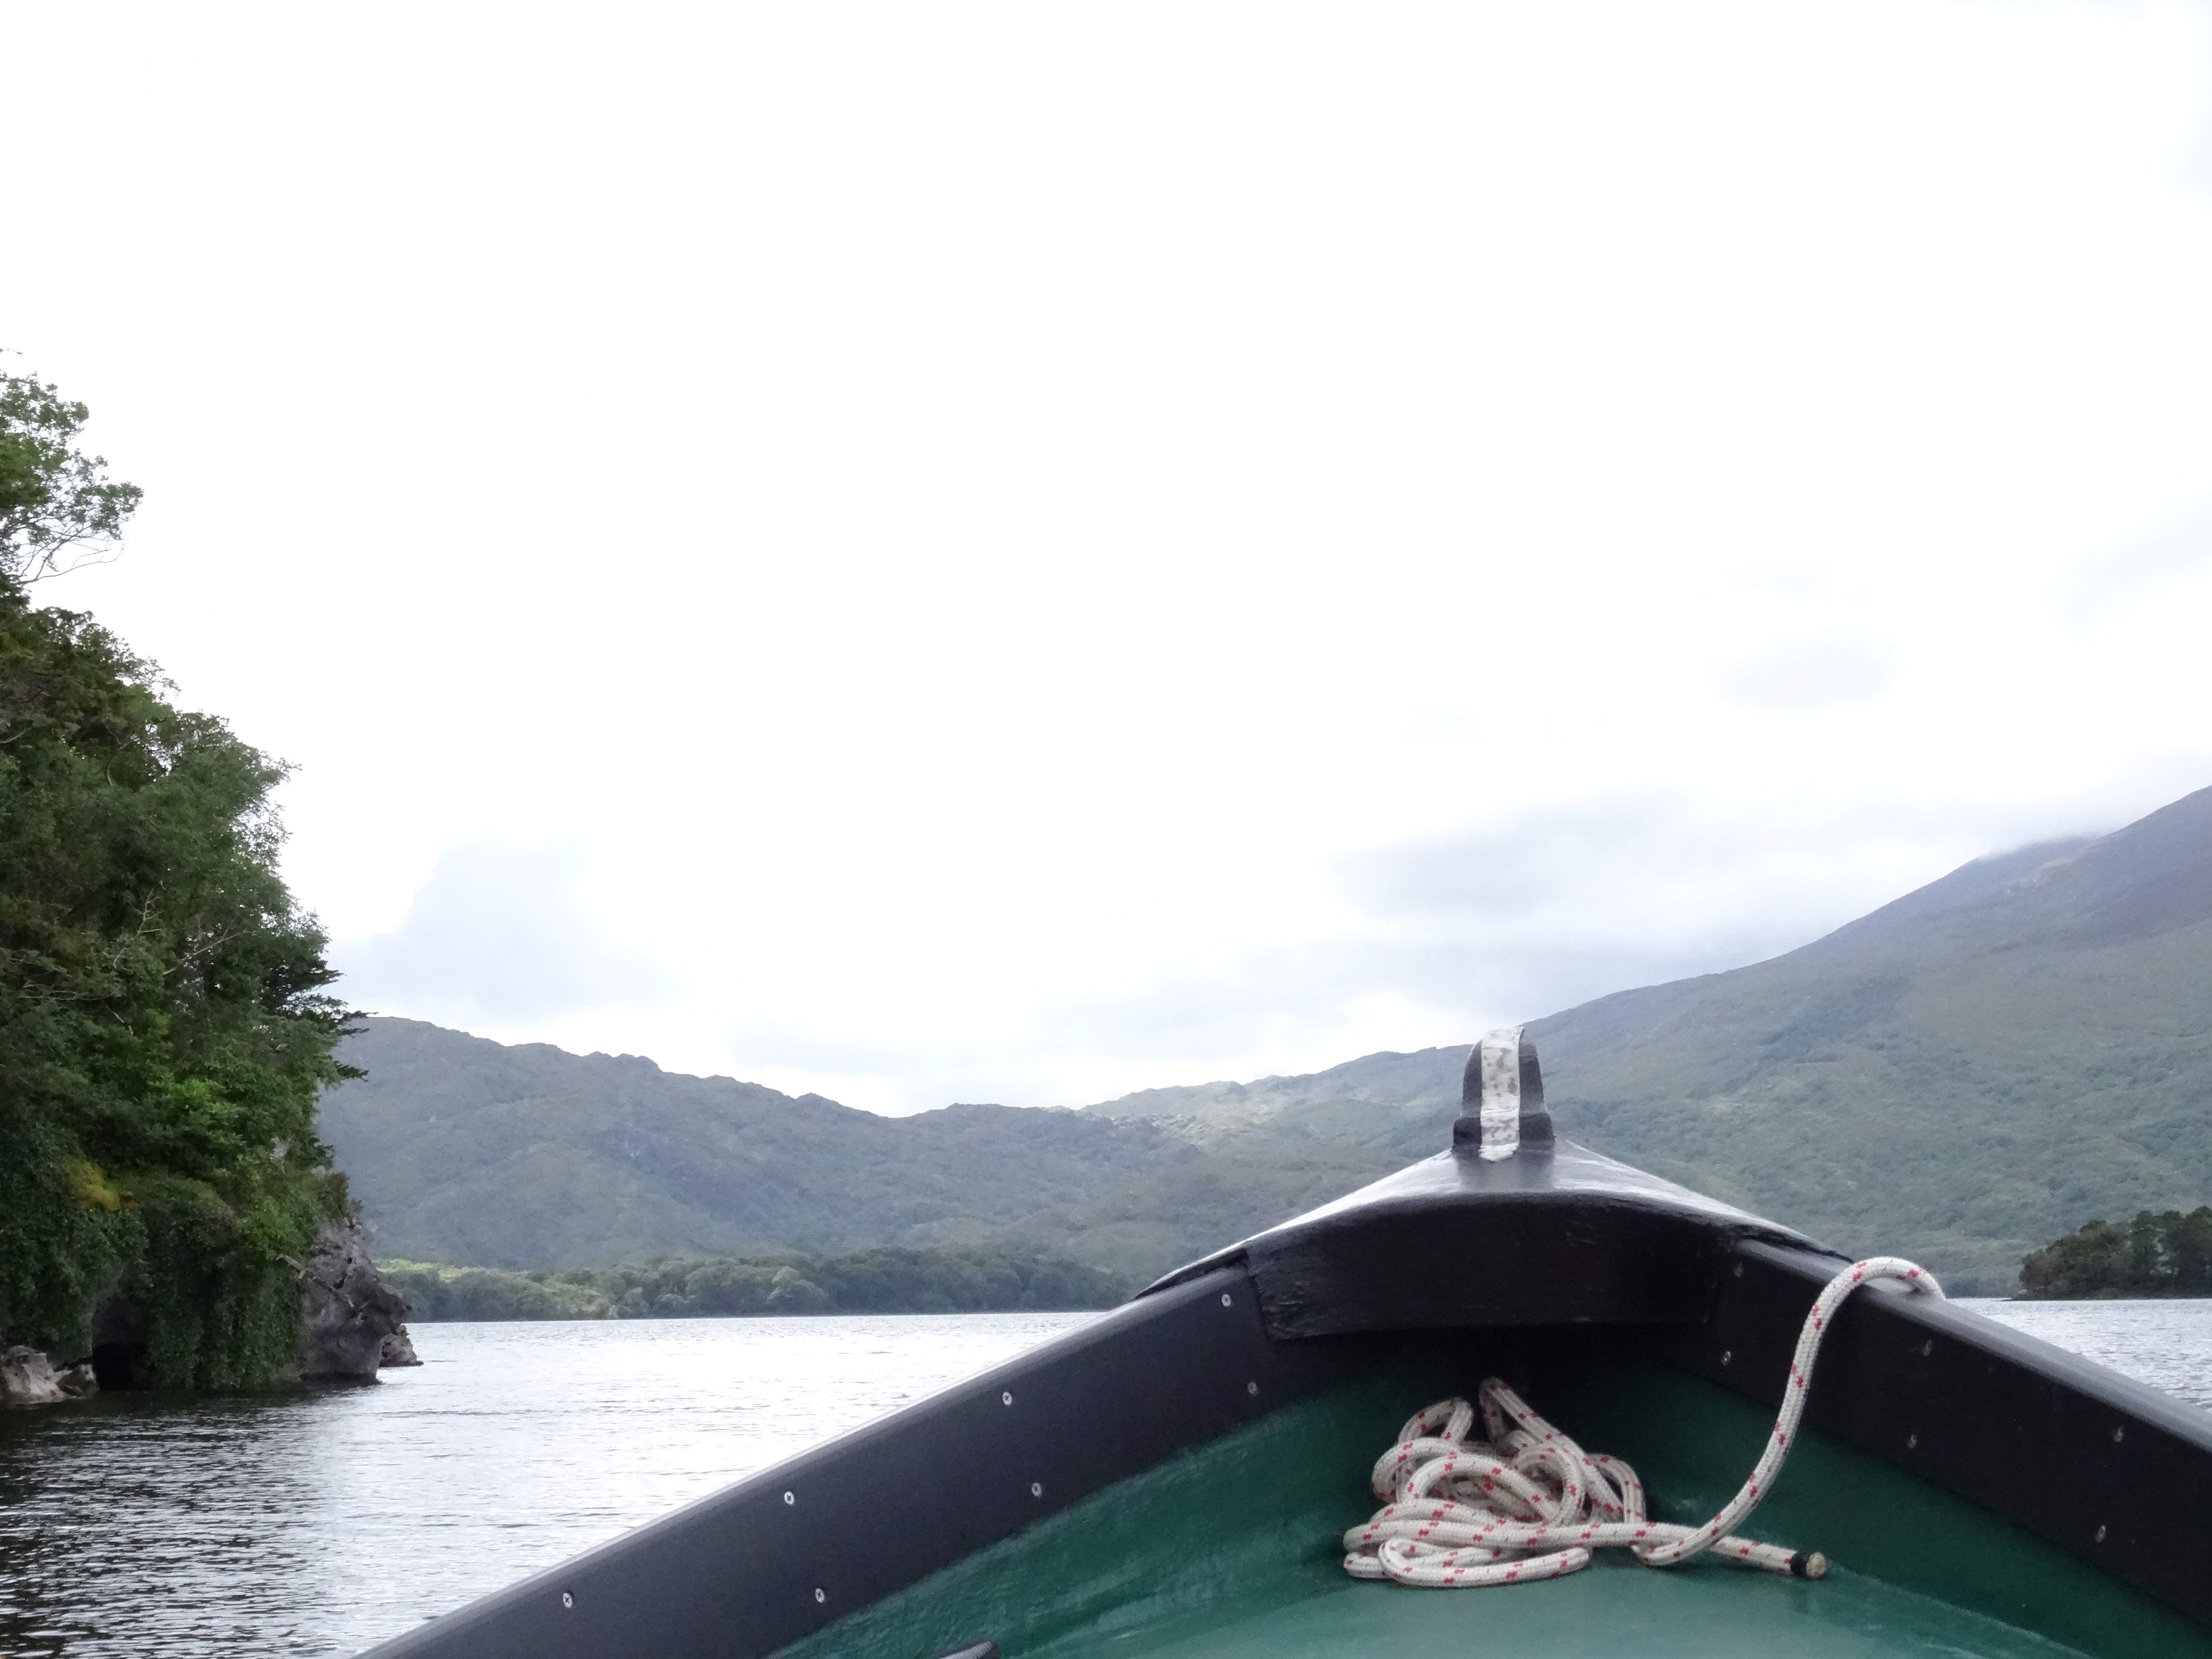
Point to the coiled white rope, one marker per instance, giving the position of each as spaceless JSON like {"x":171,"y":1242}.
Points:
{"x":1528,"y":1503}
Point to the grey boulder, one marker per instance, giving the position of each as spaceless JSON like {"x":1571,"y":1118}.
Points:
{"x":26,"y":1378}
{"x":346,"y":1309}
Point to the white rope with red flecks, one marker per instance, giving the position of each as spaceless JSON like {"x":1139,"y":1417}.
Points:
{"x":1528,"y":1503}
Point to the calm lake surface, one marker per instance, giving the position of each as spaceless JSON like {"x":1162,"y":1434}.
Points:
{"x":321,"y":1523}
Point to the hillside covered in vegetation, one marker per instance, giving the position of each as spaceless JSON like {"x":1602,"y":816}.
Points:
{"x":524,"y":1156}
{"x":1958,"y":1076}
{"x":164,"y":1028}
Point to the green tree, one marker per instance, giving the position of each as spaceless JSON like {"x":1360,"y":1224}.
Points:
{"x":165,"y":1026}
{"x":2158,"y":1254}
{"x":58,"y":509}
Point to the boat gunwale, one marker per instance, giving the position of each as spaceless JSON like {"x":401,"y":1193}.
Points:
{"x":1976,"y":1408}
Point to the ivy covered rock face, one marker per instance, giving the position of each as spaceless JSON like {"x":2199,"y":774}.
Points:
{"x":164,"y":1025}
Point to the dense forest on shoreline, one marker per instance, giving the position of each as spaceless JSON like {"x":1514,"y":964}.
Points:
{"x":2167,"y":1253}
{"x":685,"y":1287}
{"x":165,"y":1029}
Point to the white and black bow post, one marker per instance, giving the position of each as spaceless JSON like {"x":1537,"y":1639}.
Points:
{"x":1501,"y":1102}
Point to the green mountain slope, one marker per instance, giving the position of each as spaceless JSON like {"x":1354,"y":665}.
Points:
{"x":468,"y":1151}
{"x":1960,"y":1075}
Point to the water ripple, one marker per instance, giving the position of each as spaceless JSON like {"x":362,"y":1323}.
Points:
{"x":322,"y":1523}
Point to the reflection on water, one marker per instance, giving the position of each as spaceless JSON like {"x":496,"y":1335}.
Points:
{"x":320,"y":1524}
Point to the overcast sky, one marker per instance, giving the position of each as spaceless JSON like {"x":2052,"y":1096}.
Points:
{"x":951,"y":552}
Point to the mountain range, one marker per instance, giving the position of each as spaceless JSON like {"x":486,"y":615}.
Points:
{"x":1960,"y":1075}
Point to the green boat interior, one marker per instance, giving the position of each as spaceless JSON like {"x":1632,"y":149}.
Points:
{"x":1231,"y":1550}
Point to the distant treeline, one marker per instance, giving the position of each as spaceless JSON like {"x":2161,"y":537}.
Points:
{"x":2168,"y":1254}
{"x":683,"y":1287}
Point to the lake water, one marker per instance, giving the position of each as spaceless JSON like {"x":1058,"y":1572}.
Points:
{"x":2167,"y":1344}
{"x":320,"y":1524}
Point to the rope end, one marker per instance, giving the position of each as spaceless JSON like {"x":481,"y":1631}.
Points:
{"x":1802,"y":1565}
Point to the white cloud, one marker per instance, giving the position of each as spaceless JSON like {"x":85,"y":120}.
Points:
{"x":497,"y":938}
{"x":1810,"y":671}
{"x":971,"y":522}
{"x":2170,"y":553}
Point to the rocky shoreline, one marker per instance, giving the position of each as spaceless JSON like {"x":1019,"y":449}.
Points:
{"x":349,"y":1318}
{"x":27,"y":1377}
{"x":352,"y":1324}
